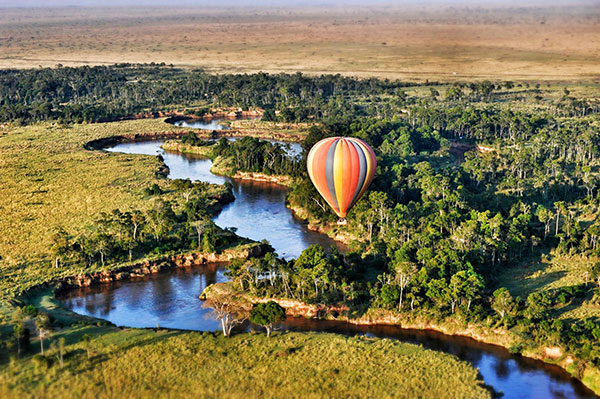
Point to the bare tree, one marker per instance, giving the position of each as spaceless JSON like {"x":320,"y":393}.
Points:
{"x":404,"y":274}
{"x":18,"y":319}
{"x":226,"y":307}
{"x":86,"y":339}
{"x":42,"y":323}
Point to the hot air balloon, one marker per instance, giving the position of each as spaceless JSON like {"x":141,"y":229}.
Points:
{"x":341,"y":168}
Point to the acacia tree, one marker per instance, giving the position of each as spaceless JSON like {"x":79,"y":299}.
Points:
{"x":545,"y":217}
{"x":226,"y":307}
{"x":59,"y":350}
{"x":61,"y":245}
{"x":86,"y":340}
{"x":266,"y":313}
{"x":595,"y":273}
{"x":404,"y":273}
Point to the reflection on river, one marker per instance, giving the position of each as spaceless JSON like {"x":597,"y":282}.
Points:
{"x":207,"y":124}
{"x":292,"y":149}
{"x":170,"y":299}
{"x":259,"y":210}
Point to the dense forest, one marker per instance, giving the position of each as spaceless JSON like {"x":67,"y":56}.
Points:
{"x":101,"y":93}
{"x":250,"y":154}
{"x":471,"y":181}
{"x":438,"y":232}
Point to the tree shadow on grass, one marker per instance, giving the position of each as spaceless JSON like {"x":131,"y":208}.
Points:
{"x":532,"y":284}
{"x":520,"y":279}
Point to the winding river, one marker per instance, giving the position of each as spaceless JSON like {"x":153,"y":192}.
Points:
{"x":170,"y":299}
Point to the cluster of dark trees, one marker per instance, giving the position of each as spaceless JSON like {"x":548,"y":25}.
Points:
{"x":191,"y":139}
{"x":169,"y":225}
{"x":316,"y":276}
{"x":250,"y":154}
{"x":28,"y":320}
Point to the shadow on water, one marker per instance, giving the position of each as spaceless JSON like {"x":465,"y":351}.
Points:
{"x":171,"y":299}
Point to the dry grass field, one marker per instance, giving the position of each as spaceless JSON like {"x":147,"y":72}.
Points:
{"x":436,"y":42}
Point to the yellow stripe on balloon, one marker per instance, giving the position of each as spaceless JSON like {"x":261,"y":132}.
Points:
{"x":338,"y":172}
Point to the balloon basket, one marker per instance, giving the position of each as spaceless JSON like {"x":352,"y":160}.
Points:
{"x":342,"y":222}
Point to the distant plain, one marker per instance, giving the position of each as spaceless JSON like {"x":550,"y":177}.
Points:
{"x":436,"y":42}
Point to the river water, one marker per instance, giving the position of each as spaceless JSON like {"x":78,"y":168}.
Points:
{"x":171,"y":300}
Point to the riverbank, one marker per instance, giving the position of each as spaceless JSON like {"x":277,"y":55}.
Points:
{"x":330,"y":229}
{"x":245,"y":126}
{"x":590,"y":376}
{"x":160,"y":127}
{"x":151,"y":266}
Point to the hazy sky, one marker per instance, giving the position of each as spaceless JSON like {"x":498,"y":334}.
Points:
{"x":170,"y":3}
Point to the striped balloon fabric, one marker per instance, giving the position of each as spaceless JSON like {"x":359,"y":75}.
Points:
{"x":341,"y":168}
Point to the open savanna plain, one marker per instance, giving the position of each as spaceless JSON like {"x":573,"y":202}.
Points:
{"x":434,"y":42}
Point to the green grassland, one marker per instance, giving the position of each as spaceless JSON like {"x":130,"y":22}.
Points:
{"x":48,"y":180}
{"x":136,"y":363}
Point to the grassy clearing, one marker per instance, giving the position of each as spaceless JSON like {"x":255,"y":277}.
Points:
{"x":539,"y":275}
{"x":544,"y":274}
{"x":177,"y":147}
{"x":48,"y":179}
{"x":147,"y":364}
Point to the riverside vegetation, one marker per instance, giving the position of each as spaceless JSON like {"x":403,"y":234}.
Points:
{"x":90,"y":211}
{"x":477,"y":184}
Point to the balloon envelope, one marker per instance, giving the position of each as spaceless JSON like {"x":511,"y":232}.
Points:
{"x":341,"y":168}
